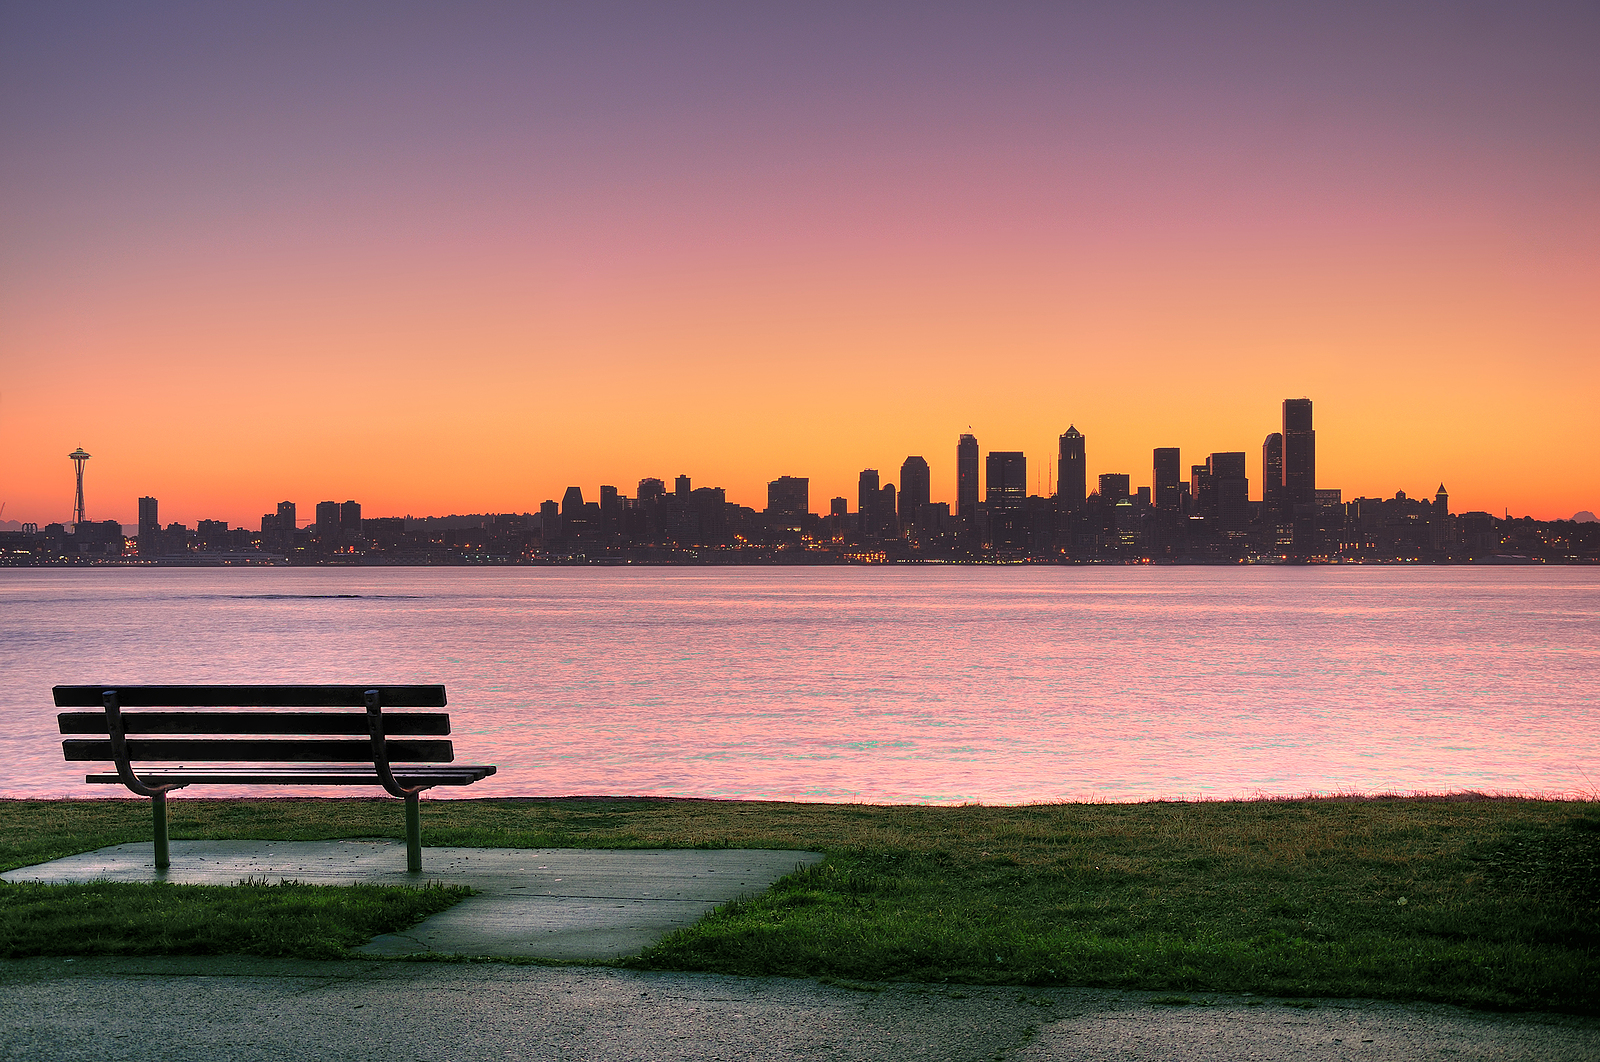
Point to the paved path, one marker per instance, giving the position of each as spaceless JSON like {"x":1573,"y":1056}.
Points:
{"x":553,"y":903}
{"x":221,"y":1010}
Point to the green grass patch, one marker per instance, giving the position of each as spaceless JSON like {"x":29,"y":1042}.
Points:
{"x":253,"y":918}
{"x":1483,"y":902}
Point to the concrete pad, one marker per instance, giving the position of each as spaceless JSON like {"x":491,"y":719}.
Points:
{"x":234,"y":1009}
{"x":552,"y":903}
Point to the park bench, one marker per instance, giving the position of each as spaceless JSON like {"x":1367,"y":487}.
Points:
{"x":265,"y":742}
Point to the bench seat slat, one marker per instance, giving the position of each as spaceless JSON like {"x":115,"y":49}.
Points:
{"x":181,"y":750}
{"x":254,"y":696}
{"x":395,"y":724}
{"x":464,"y":774}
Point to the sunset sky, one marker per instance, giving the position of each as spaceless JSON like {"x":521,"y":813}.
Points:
{"x":454,"y":257}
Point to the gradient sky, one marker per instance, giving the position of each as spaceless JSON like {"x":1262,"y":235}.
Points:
{"x":453,"y":258}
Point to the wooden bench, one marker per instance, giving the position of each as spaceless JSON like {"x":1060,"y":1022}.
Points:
{"x":265,"y":745}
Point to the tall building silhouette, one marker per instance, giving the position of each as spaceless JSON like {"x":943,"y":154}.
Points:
{"x":867,"y":498}
{"x":1299,"y":455}
{"x":1272,"y":475}
{"x":789,"y":499}
{"x":1230,"y":490}
{"x":1072,"y":478}
{"x":1113,"y":487}
{"x":1006,"y":498}
{"x":149,"y":527}
{"x":916,"y":489}
{"x":327,"y":521}
{"x":967,"y":478}
{"x":1166,"y":477}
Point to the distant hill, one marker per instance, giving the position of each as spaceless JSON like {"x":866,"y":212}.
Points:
{"x":1585,"y":517}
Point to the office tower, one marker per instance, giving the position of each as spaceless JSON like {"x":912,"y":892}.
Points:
{"x":1113,"y":487}
{"x":610,"y":510}
{"x":1230,"y":490}
{"x":1441,"y":502}
{"x":149,"y":528}
{"x":350,"y":519}
{"x":839,"y":507}
{"x":1299,"y":455}
{"x":1006,"y":498}
{"x":1204,"y":502}
{"x":867,"y":501}
{"x":1164,"y":480}
{"x":1007,"y":479}
{"x":1272,"y":476}
{"x":967,"y":477}
{"x":549,"y":522}
{"x":888,"y":523}
{"x":789,"y":497}
{"x":327,"y":520}
{"x":286,"y":517}
{"x":680,"y":487}
{"x":915,"y":489}
{"x":574,"y":520}
{"x":1071,"y":476}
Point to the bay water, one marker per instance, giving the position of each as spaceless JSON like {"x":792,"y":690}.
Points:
{"x":1000,"y":685}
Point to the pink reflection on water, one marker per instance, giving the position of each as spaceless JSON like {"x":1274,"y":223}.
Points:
{"x":902,"y":685}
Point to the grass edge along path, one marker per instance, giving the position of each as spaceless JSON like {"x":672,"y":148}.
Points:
{"x":1467,"y":900}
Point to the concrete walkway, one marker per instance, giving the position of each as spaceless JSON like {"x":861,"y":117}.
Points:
{"x":553,"y":903}
{"x":221,"y":1010}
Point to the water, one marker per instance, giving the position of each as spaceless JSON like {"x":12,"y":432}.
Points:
{"x":999,"y":685}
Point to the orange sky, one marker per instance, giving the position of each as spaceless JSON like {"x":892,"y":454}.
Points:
{"x":462,"y":262}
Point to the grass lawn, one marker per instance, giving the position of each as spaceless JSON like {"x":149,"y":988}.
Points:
{"x":1483,"y":902}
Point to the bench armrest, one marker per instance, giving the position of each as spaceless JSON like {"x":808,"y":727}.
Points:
{"x":380,"y":751}
{"x":119,"y":750}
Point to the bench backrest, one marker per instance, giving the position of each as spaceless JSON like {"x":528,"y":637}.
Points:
{"x":317,"y":734}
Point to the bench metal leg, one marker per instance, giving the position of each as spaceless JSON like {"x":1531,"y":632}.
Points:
{"x":413,"y":835}
{"x":158,"y":807}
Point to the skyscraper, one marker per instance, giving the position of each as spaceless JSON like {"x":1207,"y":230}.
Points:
{"x":1165,"y":478}
{"x":327,"y":521}
{"x":1272,"y":476}
{"x":1113,"y":487}
{"x":1299,"y":455}
{"x":867,"y":499}
{"x":1006,"y":497}
{"x":1072,"y":481}
{"x":1230,"y":490}
{"x":967,"y":477}
{"x":915,"y":489}
{"x":149,"y":528}
{"x":789,"y":499}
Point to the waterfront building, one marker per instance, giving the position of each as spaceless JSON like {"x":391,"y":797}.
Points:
{"x":1272,"y":475}
{"x":967,"y":478}
{"x":1166,"y":475}
{"x":1299,"y":455}
{"x":1071,"y":473}
{"x":789,"y":500}
{"x":915,"y":489}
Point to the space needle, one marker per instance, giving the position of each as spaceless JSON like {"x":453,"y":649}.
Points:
{"x":78,"y":458}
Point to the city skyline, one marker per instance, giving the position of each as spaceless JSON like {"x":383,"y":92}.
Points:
{"x":1165,"y":472}
{"x":456,"y":259}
